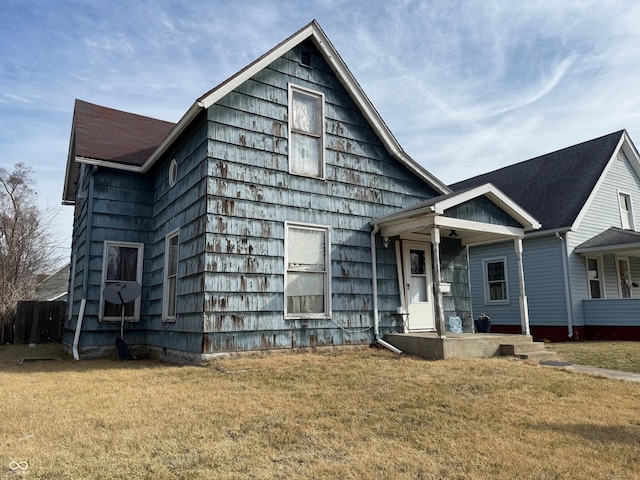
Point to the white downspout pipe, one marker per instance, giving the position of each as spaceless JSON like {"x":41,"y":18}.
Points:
{"x":76,"y":337}
{"x":374,"y":281}
{"x":567,"y":289}
{"x":85,"y":273}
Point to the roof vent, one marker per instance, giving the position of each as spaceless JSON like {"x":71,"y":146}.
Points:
{"x":305,"y":58}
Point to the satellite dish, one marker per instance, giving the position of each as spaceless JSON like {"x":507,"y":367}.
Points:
{"x":121,"y":293}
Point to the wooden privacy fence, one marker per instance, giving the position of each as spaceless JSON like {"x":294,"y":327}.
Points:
{"x":37,"y":322}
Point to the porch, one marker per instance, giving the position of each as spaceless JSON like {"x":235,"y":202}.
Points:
{"x":431,"y":346}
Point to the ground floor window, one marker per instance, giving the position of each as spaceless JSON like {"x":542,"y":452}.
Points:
{"x":594,"y":276}
{"x":496,"y":285}
{"x":307,"y":288}
{"x":170,"y":277}
{"x":122,"y":262}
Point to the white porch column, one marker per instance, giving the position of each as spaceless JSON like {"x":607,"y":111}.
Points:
{"x":439,"y":308}
{"x":524,"y":308}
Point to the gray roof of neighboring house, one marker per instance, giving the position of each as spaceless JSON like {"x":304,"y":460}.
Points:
{"x":610,"y":239}
{"x":54,"y":286}
{"x":553,"y":187}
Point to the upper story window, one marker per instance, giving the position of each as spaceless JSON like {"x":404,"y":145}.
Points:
{"x":626,"y":211}
{"x":496,"y":288}
{"x":122,"y":262}
{"x":306,"y":132}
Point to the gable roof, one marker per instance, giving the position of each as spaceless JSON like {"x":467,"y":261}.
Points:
{"x":554,"y":187}
{"x":433,"y":212}
{"x":311,"y":32}
{"x":102,"y":135}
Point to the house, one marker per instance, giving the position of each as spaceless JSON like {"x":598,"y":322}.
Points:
{"x":279,"y":212}
{"x":53,"y":288}
{"x":582,"y":267}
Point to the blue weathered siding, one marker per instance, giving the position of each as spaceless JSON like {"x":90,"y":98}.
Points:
{"x":251,"y":195}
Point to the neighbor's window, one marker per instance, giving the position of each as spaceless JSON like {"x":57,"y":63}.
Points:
{"x":594,"y":276}
{"x":306,"y":132}
{"x":496,"y":289}
{"x":626,"y":211}
{"x":122,"y":263}
{"x":307,"y":282}
{"x":170,"y":277}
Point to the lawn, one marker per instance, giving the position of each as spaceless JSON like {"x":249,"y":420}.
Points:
{"x":361,"y":413}
{"x":624,"y":356}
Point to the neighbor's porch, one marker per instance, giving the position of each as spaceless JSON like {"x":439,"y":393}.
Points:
{"x":612,"y":263}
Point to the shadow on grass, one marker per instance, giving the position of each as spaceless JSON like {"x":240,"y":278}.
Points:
{"x":620,"y":434}
{"x":52,"y":357}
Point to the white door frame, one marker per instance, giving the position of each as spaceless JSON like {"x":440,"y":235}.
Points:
{"x":421,"y":315}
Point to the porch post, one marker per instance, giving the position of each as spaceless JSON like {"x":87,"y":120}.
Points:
{"x":524,"y":309}
{"x":439,"y":309}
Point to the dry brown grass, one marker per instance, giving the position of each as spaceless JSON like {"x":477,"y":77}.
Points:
{"x":357,"y":414}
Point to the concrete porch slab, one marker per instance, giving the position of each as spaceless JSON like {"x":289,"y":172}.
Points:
{"x":456,"y":345}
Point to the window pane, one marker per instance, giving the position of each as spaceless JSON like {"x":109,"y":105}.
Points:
{"x":173,"y":255}
{"x":495,"y":271}
{"x":306,"y":112}
{"x":594,"y":288}
{"x":498,"y":291}
{"x":171,"y":292}
{"x":305,"y":292}
{"x":305,"y":155}
{"x":417,"y":262}
{"x":306,"y":249}
{"x":122,"y":263}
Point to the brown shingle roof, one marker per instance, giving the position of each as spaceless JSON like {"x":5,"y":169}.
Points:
{"x":110,"y":135}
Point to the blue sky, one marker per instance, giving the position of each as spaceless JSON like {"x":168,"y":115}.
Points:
{"x":465,"y":86}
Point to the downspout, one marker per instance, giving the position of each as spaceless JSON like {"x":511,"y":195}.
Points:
{"x":374,"y":280}
{"x":85,"y":273}
{"x":567,"y":290}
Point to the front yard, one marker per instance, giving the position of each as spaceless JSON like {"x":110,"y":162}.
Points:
{"x":362,"y":413}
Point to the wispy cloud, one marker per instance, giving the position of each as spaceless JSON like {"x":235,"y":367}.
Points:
{"x":466,"y":86}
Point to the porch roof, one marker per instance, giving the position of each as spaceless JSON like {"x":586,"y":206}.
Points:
{"x":421,"y":218}
{"x":613,"y":240}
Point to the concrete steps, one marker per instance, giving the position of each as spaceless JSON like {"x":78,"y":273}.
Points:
{"x":527,"y":350}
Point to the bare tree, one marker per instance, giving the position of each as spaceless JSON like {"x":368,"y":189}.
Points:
{"x":26,"y":249}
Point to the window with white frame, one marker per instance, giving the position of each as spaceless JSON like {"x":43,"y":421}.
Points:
{"x":306,"y":132}
{"x":626,"y":211}
{"x":496,"y":288}
{"x":122,"y":262}
{"x":307,"y":286}
{"x":594,"y":276}
{"x":170,"y":277}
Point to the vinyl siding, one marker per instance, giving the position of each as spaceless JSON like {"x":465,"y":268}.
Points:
{"x":603,"y":212}
{"x":544,"y":282}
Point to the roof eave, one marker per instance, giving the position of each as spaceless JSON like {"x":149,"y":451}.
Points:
{"x":173,"y":135}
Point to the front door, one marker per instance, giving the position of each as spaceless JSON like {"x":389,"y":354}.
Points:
{"x":624,"y":283}
{"x":418,"y":286}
